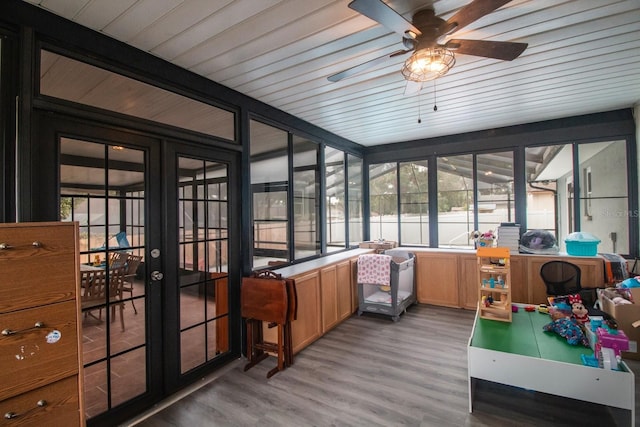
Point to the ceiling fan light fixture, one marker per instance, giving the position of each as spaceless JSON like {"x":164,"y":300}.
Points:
{"x":428,"y":64}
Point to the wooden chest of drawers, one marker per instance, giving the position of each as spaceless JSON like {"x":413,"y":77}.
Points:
{"x":39,"y":322}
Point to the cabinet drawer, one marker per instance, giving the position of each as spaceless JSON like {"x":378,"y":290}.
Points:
{"x":33,"y":357}
{"x":36,"y":275}
{"x":55,"y":404}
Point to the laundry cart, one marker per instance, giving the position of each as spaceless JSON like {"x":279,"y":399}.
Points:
{"x":386,"y":283}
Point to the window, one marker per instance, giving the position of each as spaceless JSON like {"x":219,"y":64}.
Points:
{"x":335,"y":199}
{"x":270,"y":186}
{"x":600,"y":184}
{"x":72,"y":80}
{"x":287,"y":225}
{"x":455,"y":200}
{"x":494,"y":181}
{"x":306,"y":198}
{"x":544,"y":166}
{"x":383,"y":201}
{"x":604,"y":195}
{"x":356,"y":225}
{"x":414,"y":203}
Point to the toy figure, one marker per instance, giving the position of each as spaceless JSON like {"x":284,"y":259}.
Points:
{"x":578,"y":309}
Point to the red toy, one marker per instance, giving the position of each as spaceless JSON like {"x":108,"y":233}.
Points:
{"x":578,"y":309}
{"x":529,"y":308}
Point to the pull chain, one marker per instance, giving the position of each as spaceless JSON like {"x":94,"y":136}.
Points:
{"x":435,"y":107}
{"x":419,"y":119}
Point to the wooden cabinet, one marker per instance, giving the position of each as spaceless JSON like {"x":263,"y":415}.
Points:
{"x":325,"y":290}
{"x":39,"y":319}
{"x":437,"y":278}
{"x":519,"y":280}
{"x":344,"y":294}
{"x":468,"y":277}
{"x":329,"y":292}
{"x":449,"y":278}
{"x":494,"y":284}
{"x":591,"y":268}
{"x":335,"y":285}
{"x":307,"y":327}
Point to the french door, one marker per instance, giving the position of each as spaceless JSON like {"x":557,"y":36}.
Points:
{"x":201,"y":327}
{"x":167,"y":206}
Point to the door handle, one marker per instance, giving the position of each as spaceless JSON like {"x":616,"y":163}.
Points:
{"x":156,"y":275}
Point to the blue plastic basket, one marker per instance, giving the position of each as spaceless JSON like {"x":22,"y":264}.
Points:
{"x":582,"y":244}
{"x":582,"y":248}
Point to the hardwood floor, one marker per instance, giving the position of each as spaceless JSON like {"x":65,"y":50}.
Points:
{"x":371,"y":371}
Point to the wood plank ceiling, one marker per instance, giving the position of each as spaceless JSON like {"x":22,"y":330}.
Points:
{"x":583,"y":57}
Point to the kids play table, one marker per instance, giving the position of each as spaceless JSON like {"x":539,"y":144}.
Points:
{"x":521,"y":354}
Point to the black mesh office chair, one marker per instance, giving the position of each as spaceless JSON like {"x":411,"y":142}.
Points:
{"x":563,"y":278}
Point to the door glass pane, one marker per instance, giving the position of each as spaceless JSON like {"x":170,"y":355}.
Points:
{"x":455,"y":201}
{"x":306,"y":193}
{"x":356,"y":224}
{"x":494,"y":177}
{"x":269,"y":188}
{"x":335,"y":203}
{"x":414,"y":203}
{"x":103,"y":188}
{"x":202,"y":265}
{"x":383,"y":199}
{"x":604,"y":203}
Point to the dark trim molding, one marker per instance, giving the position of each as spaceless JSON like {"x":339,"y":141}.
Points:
{"x":617,"y":124}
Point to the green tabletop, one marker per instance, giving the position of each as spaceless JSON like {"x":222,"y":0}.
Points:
{"x":524,"y":336}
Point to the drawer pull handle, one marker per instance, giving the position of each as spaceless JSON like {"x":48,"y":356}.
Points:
{"x":6,"y":246}
{"x":11,"y":415}
{"x":7,"y":332}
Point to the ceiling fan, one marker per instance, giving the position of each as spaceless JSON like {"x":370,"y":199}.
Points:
{"x":430,"y":59}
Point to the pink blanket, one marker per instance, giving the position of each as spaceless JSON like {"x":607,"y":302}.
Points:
{"x":374,"y":269}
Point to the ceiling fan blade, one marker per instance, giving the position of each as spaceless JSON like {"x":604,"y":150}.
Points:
{"x":365,"y":65}
{"x":384,"y":15}
{"x":506,"y":51}
{"x":471,"y":12}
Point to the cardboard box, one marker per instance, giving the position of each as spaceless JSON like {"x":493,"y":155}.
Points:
{"x":625,"y":315}
{"x":379,"y":246}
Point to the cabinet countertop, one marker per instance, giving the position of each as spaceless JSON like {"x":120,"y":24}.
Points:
{"x":304,"y":267}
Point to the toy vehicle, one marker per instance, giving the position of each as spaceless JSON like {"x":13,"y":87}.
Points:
{"x":542,"y":308}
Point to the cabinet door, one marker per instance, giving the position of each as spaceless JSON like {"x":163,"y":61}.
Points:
{"x":519,"y":285}
{"x":537,"y":289}
{"x":468,"y":281}
{"x":437,"y":275}
{"x":343,"y":275}
{"x":307,"y":327}
{"x":591,"y":274}
{"x":329,"y":292}
{"x":591,"y":271}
